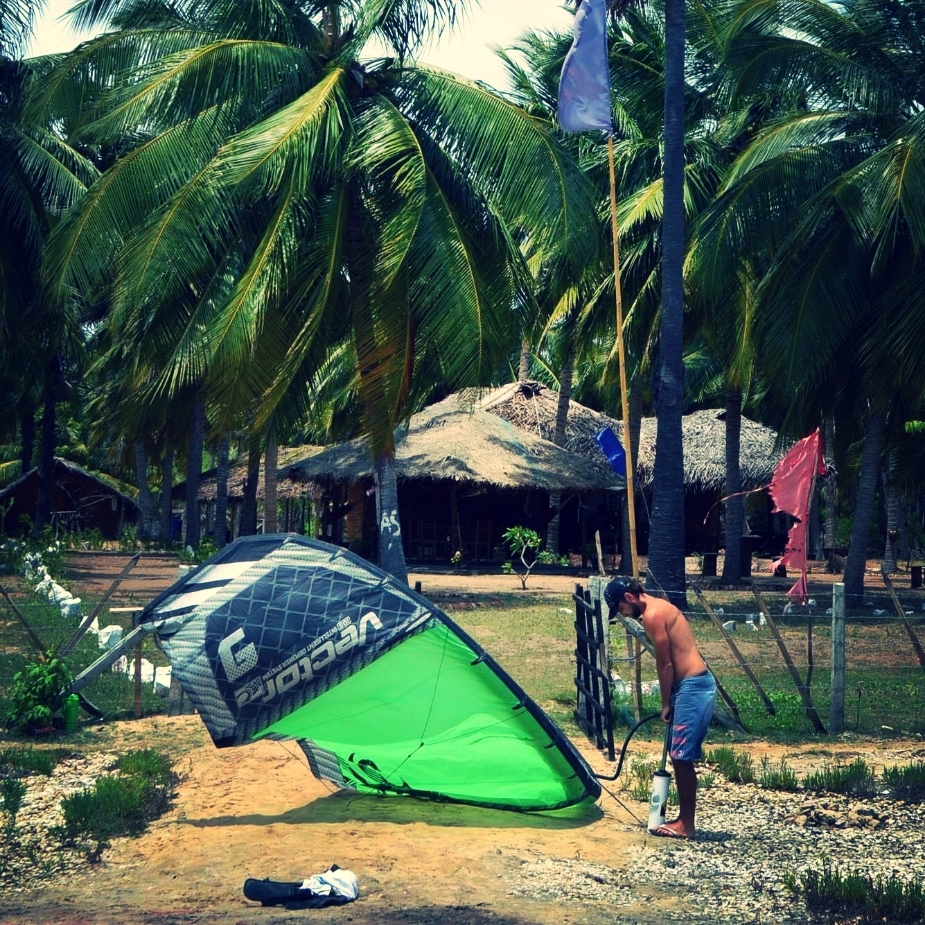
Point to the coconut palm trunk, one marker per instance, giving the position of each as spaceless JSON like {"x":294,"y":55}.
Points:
{"x":46,"y":458}
{"x":893,"y":498}
{"x":270,"y":483}
{"x":249,"y":506}
{"x":147,"y":522}
{"x":26,"y":438}
{"x":856,"y":561}
{"x":391,"y":551}
{"x":167,"y":490}
{"x":734,"y":504}
{"x":665,"y":566}
{"x":194,"y":474}
{"x":220,"y":523}
{"x":562,"y":406}
{"x":636,"y":403}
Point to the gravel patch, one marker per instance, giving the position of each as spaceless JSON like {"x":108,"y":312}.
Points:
{"x":734,"y":872}
{"x":748,"y":840}
{"x":31,"y":856}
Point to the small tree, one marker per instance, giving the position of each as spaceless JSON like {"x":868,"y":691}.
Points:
{"x":521,"y":540}
{"x":31,"y":700}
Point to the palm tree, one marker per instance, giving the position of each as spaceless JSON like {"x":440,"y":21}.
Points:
{"x":835,"y":191}
{"x":289,"y":193}
{"x":40,"y":178}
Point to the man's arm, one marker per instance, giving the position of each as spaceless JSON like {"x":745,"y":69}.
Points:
{"x":658,"y":632}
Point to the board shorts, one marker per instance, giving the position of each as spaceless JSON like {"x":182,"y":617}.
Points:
{"x":692,"y":703}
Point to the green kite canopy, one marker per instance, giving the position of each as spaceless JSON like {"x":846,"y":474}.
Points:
{"x":289,"y":637}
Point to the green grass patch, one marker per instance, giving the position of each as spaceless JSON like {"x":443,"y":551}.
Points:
{"x":119,"y":804}
{"x":882,"y":899}
{"x":17,"y":761}
{"x":906,"y":782}
{"x":855,"y":779}
{"x":737,"y":767}
{"x":777,"y":777}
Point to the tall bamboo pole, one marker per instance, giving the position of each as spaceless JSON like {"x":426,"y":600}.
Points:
{"x":624,"y":392}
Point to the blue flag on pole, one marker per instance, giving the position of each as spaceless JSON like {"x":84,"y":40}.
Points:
{"x":584,"y":85}
{"x":611,"y":447}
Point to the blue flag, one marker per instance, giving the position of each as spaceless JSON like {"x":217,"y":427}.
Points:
{"x":584,"y":85}
{"x":611,"y":447}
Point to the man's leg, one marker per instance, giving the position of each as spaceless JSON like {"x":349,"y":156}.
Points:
{"x":685,"y":776}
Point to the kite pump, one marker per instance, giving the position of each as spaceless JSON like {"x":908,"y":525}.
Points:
{"x":661,"y":780}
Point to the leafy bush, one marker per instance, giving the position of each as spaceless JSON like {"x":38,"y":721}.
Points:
{"x":35,"y":558}
{"x":15,"y":762}
{"x":907,"y":783}
{"x":12,"y":791}
{"x":147,"y":763}
{"x":521,"y":541}
{"x":204,"y":549}
{"x":30,"y":701}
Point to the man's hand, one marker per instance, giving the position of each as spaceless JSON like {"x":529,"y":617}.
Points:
{"x":666,"y":714}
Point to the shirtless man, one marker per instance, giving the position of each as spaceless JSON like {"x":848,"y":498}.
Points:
{"x":687,"y":687}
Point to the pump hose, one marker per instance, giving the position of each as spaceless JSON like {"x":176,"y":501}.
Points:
{"x":626,"y":742}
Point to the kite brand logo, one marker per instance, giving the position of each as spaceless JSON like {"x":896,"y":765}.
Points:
{"x":240,"y":662}
{"x":303,"y":666}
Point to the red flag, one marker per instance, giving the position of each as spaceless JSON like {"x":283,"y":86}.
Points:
{"x":791,"y":490}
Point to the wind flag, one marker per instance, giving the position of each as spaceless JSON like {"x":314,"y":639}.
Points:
{"x":584,"y":85}
{"x":791,"y":491}
{"x":611,"y":447}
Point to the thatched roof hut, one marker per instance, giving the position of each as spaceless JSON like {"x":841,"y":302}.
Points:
{"x":464,"y":438}
{"x":532,"y":407}
{"x":80,"y":500}
{"x":704,"y":436}
{"x":289,"y":485}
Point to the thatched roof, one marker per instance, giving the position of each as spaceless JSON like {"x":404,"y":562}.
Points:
{"x":98,"y":485}
{"x":288,"y":485}
{"x":532,"y":406}
{"x":459,"y":438}
{"x":503,"y":437}
{"x":704,"y":436}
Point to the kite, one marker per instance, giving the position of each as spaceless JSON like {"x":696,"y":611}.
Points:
{"x":288,"y":637}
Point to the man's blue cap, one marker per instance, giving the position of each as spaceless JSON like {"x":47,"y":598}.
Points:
{"x":614,"y":592}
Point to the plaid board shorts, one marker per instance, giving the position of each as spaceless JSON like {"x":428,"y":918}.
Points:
{"x":692,"y":703}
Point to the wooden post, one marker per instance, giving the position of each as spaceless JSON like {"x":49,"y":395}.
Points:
{"x":907,"y":626}
{"x":797,"y":680}
{"x":837,"y":701}
{"x":138,"y":680}
{"x":735,"y":651}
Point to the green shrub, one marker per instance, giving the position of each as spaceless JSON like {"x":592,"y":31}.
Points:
{"x":12,"y":791}
{"x":147,"y":763}
{"x":856,"y":779}
{"x":639,"y":776}
{"x":119,"y":804}
{"x":30,"y":701}
{"x":15,"y":762}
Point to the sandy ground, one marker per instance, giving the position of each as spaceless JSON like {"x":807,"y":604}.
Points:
{"x":257,"y":812}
